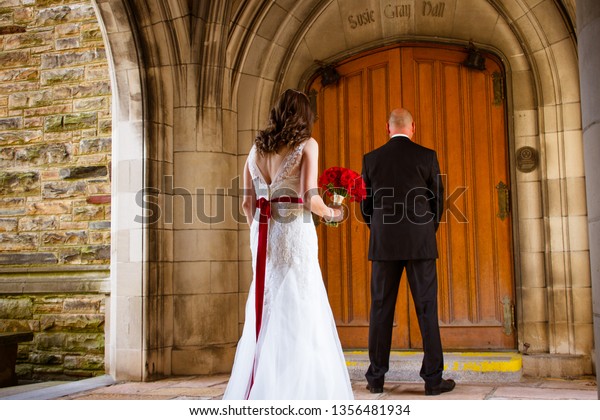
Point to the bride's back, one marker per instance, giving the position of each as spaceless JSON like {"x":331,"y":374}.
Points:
{"x":270,"y":164}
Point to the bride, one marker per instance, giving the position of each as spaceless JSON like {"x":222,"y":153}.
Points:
{"x":289,"y":347}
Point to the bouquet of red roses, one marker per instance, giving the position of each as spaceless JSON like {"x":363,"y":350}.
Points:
{"x":341,"y":183}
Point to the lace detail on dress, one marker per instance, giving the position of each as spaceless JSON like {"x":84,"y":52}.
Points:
{"x":292,"y":238}
{"x":291,"y":163}
{"x":254,"y":172}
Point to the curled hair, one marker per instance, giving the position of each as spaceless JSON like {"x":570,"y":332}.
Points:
{"x":290,"y":123}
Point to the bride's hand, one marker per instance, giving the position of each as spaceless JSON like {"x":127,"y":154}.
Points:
{"x":335,"y":214}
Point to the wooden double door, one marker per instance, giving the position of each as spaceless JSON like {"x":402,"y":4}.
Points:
{"x":460,"y":113}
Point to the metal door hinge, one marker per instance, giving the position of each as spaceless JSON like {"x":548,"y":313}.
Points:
{"x":498,"y":81}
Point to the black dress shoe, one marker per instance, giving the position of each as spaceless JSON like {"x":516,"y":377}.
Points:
{"x":446,"y":385}
{"x":375,"y":389}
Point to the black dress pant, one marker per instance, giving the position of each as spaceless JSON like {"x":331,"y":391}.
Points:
{"x":385,"y":280}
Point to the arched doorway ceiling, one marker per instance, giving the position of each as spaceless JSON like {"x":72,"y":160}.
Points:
{"x":277,"y":44}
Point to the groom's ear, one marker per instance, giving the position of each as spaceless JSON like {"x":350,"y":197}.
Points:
{"x":387,"y":127}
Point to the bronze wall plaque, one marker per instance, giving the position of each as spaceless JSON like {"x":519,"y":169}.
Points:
{"x":527,"y":159}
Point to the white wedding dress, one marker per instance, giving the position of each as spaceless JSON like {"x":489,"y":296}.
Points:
{"x":298,"y":354}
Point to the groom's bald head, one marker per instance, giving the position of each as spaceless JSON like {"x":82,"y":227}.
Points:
{"x":401,"y":122}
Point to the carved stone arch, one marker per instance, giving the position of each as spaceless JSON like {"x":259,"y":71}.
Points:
{"x":148,"y":48}
{"x":194,"y":80}
{"x":129,"y":248}
{"x":539,"y":50}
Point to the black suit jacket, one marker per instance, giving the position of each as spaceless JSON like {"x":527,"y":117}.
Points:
{"x":405,"y":200}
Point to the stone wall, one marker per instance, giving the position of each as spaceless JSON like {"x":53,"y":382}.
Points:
{"x":68,"y":331}
{"x":55,"y":156}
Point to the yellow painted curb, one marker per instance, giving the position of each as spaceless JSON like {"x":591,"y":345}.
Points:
{"x":496,"y":361}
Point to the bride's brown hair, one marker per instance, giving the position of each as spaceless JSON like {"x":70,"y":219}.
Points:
{"x":290,"y":122}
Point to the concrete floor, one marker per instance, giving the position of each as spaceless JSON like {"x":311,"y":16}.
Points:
{"x":212,"y":388}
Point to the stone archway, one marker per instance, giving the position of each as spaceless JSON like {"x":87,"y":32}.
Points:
{"x":194,"y":81}
{"x":125,"y":358}
{"x":169,"y":117}
{"x":539,"y":51}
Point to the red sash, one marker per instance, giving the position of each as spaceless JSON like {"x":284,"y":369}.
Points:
{"x":264,"y":207}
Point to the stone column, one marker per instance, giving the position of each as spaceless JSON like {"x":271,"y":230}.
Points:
{"x":588,"y":32}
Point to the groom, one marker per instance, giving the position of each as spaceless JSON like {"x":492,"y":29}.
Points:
{"x":403,"y":208}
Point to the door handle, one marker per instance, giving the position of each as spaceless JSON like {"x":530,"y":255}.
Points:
{"x":503,"y":200}
{"x":509,"y":315}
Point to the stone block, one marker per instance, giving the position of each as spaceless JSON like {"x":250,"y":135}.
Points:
{"x":84,"y":362}
{"x":72,"y":322}
{"x":91,"y":33}
{"x":98,"y":187}
{"x":35,"y":258}
{"x":63,"y":189}
{"x":82,"y":305}
{"x":18,"y":242}
{"x":202,"y":361}
{"x":97,"y":72}
{"x":93,"y":254}
{"x":68,"y":75}
{"x":11,"y":123}
{"x":10,"y":59}
{"x":71,"y":342}
{"x":64,"y":238}
{"x":90,"y":104}
{"x":8,"y":225}
{"x":82,"y":90}
{"x":67,"y":43}
{"x":72,"y":58}
{"x":43,"y":358}
{"x":84,"y":172}
{"x":63,"y":14}
{"x":48,"y":305}
{"x":205,"y":319}
{"x":19,"y":75}
{"x":30,"y":113}
{"x":99,"y":225}
{"x":14,"y":325}
{"x":50,"y":341}
{"x":43,"y":373}
{"x":28,"y":40}
{"x":99,"y":237}
{"x":12,"y":203}
{"x":7,"y":157}
{"x":191,"y":278}
{"x":205,"y":245}
{"x":556,"y":365}
{"x":224,"y":277}
{"x":43,"y":154}
{"x":538,"y":310}
{"x":70,"y":122}
{"x":88,"y":213}
{"x":580,"y":267}
{"x":105,"y":127}
{"x":33,"y":122}
{"x":20,"y":100}
{"x":19,"y":182}
{"x":24,"y":15}
{"x":38,"y":223}
{"x":67,"y":29}
{"x":12,"y":29}
{"x":16,"y":308}
{"x":19,"y":137}
{"x":24,"y":370}
{"x":49,"y":207}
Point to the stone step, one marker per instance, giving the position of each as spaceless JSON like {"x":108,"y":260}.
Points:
{"x":460,"y":366}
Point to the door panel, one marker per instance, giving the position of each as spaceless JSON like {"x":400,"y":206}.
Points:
{"x":455,"y":114}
